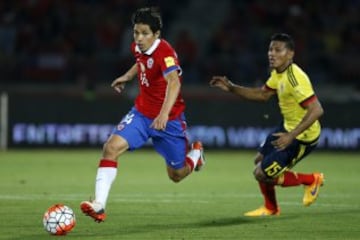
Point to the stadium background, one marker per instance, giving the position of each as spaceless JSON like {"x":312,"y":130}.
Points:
{"x":57,"y":59}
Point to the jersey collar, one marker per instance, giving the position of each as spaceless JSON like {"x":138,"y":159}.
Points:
{"x":151,"y":49}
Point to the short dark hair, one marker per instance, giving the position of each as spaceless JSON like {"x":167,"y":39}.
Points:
{"x":286,"y":38}
{"x":148,"y":15}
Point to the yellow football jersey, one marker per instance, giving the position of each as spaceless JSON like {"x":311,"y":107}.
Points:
{"x":294,"y":90}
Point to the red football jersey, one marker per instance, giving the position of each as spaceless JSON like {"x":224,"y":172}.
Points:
{"x":153,"y":65}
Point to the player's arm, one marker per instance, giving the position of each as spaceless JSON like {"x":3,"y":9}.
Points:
{"x":119,"y":83}
{"x":254,"y":94}
{"x":314,"y":112}
{"x":171,"y":94}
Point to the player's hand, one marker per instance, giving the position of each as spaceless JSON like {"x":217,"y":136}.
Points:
{"x":160,"y":122}
{"x":221,"y":82}
{"x":119,"y":84}
{"x":283,"y":141}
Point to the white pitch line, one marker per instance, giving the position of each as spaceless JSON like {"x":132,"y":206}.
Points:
{"x":327,"y":205}
{"x":174,"y":198}
{"x":164,"y":195}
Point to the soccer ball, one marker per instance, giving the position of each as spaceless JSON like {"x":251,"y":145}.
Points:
{"x":59,"y":219}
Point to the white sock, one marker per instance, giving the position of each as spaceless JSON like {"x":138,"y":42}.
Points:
{"x":105,"y":176}
{"x":194,"y":155}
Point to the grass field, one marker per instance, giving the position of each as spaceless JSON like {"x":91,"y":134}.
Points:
{"x":144,"y":204}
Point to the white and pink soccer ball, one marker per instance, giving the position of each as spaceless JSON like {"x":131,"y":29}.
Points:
{"x":59,"y":219}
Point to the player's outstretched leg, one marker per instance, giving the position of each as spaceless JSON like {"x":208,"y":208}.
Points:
{"x":312,"y":190}
{"x":93,"y":210}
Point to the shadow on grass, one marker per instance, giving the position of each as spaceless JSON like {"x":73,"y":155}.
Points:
{"x":152,"y":229}
{"x":231,"y":221}
{"x":116,"y":230}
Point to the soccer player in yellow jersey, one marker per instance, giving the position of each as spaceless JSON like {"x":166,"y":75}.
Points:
{"x":297,"y":135}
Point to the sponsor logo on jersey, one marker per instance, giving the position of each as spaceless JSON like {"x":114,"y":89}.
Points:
{"x":169,"y":61}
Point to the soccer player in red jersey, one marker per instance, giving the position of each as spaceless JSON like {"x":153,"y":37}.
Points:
{"x":158,"y":113}
{"x":295,"y":137}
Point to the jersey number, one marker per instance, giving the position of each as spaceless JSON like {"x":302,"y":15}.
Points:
{"x":128,"y":118}
{"x":273,"y":169}
{"x":144,"y":80}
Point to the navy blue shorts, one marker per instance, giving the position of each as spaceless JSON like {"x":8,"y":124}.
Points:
{"x":275,"y":162}
{"x":171,"y":143}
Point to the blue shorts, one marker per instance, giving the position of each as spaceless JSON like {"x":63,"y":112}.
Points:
{"x":171,"y":143}
{"x":276,"y":162}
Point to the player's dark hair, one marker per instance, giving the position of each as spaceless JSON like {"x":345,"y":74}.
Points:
{"x":149,"y":16}
{"x":286,"y":38}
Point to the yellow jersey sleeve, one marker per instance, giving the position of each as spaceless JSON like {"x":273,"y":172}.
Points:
{"x":300,"y":84}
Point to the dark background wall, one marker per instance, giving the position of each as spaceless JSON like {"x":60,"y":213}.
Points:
{"x":86,"y":42}
{"x":58,"y":57}
{"x":69,"y":121}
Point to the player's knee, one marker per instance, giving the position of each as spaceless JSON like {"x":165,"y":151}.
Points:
{"x":259,"y":157}
{"x":175,"y":178}
{"x":109,"y":147}
{"x":259,"y":174}
{"x":113,"y":148}
{"x":261,"y":177}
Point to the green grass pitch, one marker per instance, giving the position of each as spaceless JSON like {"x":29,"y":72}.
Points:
{"x":145,"y":204}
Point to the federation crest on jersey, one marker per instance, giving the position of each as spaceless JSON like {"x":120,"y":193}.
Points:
{"x":169,"y":61}
{"x":150,"y":63}
{"x":282,"y":87}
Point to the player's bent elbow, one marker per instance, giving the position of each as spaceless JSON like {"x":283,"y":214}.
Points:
{"x":265,"y":96}
{"x":319,"y":111}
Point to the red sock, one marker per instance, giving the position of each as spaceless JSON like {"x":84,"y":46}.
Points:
{"x":268,"y":191}
{"x":108,"y":163}
{"x":190,"y":163}
{"x":294,"y":179}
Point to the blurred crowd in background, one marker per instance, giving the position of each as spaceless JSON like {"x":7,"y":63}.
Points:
{"x":86,"y":42}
